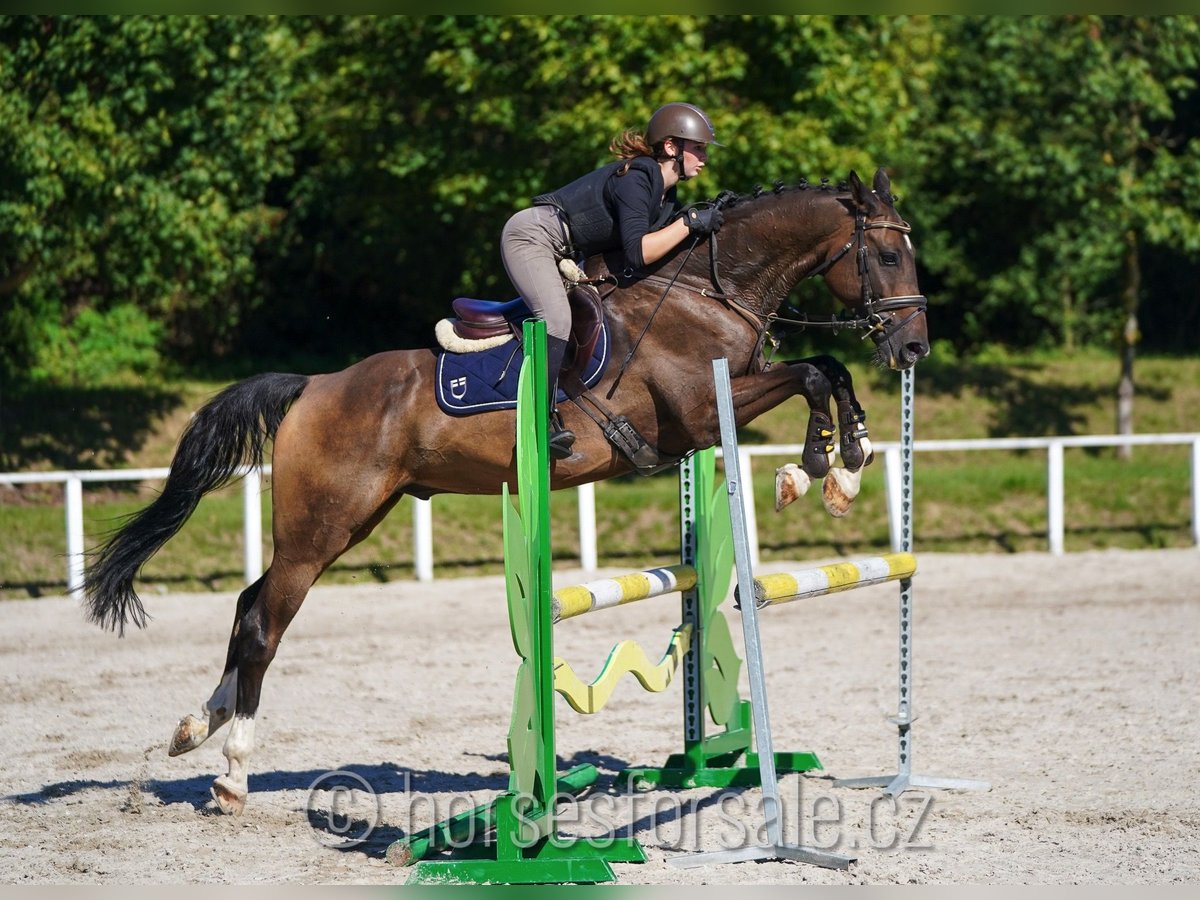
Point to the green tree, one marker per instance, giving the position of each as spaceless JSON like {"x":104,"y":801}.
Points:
{"x":424,"y":134}
{"x":1054,"y":156}
{"x":135,"y":155}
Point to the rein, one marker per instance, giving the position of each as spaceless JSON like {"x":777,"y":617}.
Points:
{"x":632,"y":350}
{"x":876,"y":324}
{"x":716,"y":278}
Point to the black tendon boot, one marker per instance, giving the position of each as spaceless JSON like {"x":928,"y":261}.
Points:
{"x":561,"y":438}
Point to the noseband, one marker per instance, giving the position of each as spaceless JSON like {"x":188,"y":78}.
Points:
{"x":879,"y":320}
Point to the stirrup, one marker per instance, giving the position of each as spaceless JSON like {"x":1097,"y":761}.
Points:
{"x":561,"y":437}
{"x":560,"y":443}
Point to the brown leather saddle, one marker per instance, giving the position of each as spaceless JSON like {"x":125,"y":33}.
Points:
{"x":486,"y":319}
{"x":482,"y":319}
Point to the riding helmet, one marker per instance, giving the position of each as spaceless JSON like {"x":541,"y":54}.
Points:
{"x":680,"y":120}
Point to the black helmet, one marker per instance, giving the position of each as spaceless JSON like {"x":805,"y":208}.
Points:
{"x":681,"y":120}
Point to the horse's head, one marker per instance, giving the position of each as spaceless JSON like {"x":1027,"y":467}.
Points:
{"x":878,"y":280}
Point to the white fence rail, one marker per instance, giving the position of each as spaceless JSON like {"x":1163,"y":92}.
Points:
{"x":423,"y":560}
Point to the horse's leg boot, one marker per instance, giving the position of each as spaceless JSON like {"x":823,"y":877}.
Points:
{"x":818,"y":445}
{"x":856,"y":448}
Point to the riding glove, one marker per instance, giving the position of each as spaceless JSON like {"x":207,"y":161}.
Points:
{"x":703,"y":220}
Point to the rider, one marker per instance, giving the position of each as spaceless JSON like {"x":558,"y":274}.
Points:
{"x":627,"y":205}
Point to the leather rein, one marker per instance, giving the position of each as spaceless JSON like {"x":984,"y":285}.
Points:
{"x":878,"y":320}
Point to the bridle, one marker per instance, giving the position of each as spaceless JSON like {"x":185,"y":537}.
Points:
{"x":878,"y":326}
{"x":877,"y":320}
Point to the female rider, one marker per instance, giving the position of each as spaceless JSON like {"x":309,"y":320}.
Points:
{"x":627,"y":205}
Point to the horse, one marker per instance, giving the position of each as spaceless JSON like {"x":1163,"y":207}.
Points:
{"x":349,"y":444}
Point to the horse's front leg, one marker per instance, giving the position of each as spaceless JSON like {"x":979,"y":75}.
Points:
{"x":754,"y":395}
{"x":855,"y":444}
{"x":842,"y":484}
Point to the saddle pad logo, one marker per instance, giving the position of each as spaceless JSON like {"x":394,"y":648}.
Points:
{"x":470,"y":383}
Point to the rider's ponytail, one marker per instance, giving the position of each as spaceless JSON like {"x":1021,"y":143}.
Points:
{"x":629,"y":144}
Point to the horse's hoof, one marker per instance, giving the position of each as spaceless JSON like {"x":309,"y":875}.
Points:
{"x":190,"y":733}
{"x":839,"y":490}
{"x":791,"y":483}
{"x":230,"y":798}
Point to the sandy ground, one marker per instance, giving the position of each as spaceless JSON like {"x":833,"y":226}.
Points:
{"x":1069,"y":684}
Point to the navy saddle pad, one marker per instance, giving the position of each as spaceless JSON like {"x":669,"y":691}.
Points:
{"x":469,"y":383}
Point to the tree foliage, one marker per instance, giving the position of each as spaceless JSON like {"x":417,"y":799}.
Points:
{"x":181,"y":190}
{"x":135,"y":153}
{"x":1054,"y":145}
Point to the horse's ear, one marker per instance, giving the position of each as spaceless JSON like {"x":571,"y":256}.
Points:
{"x":883,"y":186}
{"x":861,"y":195}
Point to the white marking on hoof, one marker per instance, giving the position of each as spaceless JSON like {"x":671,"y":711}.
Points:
{"x":231,"y":789}
{"x":229,"y":796}
{"x":839,"y":489}
{"x":791,"y":483}
{"x":868,"y":452}
{"x":190,"y":733}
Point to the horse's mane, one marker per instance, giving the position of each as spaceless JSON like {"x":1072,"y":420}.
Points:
{"x":743,"y":210}
{"x":730,"y":199}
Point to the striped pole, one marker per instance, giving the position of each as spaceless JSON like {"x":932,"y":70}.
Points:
{"x":605,"y":593}
{"x":784,"y":587}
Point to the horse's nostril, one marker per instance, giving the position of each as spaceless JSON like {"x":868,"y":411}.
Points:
{"x":918,"y":349}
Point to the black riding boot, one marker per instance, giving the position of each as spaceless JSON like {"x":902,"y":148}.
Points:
{"x":561,"y":438}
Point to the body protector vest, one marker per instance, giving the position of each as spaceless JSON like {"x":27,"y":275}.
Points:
{"x":587,"y":204}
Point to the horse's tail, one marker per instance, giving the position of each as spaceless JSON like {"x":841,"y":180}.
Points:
{"x":226,"y":433}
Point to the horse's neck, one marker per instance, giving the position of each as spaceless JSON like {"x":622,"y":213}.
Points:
{"x":770,"y":244}
{"x":776,"y":243}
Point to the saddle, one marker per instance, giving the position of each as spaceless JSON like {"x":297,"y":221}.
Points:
{"x":486,"y":325}
{"x":479,"y":324}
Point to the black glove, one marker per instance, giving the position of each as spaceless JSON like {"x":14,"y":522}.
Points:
{"x":702,"y":221}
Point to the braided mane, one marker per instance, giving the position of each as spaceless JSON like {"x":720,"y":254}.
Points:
{"x":729,"y":199}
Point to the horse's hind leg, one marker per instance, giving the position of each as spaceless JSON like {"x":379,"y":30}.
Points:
{"x":192,"y":731}
{"x":303,"y":550}
{"x":256,"y":637}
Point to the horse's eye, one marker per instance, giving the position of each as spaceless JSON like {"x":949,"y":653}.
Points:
{"x":889,"y":258}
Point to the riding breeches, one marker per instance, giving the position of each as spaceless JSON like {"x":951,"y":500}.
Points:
{"x":531,"y":245}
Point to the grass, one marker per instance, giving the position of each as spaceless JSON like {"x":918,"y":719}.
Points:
{"x":988,"y":501}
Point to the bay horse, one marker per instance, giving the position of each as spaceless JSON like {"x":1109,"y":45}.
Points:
{"x":349,"y":444}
